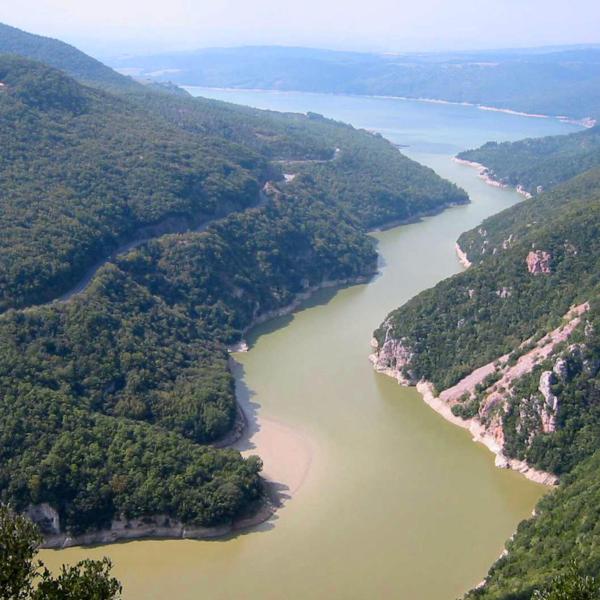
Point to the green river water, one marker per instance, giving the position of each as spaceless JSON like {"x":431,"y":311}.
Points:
{"x":396,"y":502}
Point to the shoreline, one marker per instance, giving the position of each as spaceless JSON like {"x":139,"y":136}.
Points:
{"x":473,"y":426}
{"x":251,"y":435}
{"x":490,"y":180}
{"x":586,"y":122}
{"x":246,"y":427}
{"x":393,"y":359}
{"x":462,"y":256}
{"x":480,"y":435}
{"x":161,"y":527}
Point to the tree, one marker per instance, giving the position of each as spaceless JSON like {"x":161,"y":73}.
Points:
{"x":570,"y":585}
{"x":22,"y":577}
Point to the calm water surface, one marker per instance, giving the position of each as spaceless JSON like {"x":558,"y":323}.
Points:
{"x":398,"y":503}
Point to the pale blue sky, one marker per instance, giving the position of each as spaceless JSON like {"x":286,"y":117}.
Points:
{"x":110,"y":27}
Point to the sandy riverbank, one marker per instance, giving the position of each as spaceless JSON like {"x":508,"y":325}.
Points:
{"x":287,"y":452}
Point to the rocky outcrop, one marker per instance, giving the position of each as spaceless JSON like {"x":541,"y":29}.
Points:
{"x":462,"y":256}
{"x":504,"y":293}
{"x":538,"y":262}
{"x":46,"y":518}
{"x":156,"y":526}
{"x":394,"y":358}
{"x":550,"y":409}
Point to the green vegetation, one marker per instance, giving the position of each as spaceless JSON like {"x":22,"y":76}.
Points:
{"x":22,"y":577}
{"x":566,"y":527}
{"x":474,"y":322}
{"x":61,"y":56}
{"x":539,"y":164}
{"x":499,"y":308}
{"x":570,"y":585}
{"x":110,"y":398}
{"x":547,"y":81}
{"x":85,"y":172}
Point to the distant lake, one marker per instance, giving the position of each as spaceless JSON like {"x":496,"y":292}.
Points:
{"x":397,"y":503}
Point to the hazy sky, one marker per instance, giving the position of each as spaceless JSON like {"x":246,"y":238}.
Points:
{"x":110,"y":27}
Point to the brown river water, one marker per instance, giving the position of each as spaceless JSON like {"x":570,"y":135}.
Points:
{"x":386,"y":499}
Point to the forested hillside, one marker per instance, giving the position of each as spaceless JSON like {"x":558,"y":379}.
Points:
{"x":83,"y":170}
{"x":110,"y":398}
{"x":543,"y":81}
{"x":506,"y":349}
{"x":539,"y":164}
{"x":60,"y":55}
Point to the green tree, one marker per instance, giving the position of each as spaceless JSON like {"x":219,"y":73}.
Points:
{"x":570,"y":585}
{"x":23,"y":577}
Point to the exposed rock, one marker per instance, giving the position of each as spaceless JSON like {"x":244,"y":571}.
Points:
{"x":561,"y":369}
{"x":487,"y":426}
{"x":45,"y":517}
{"x":538,"y":262}
{"x":507,"y":242}
{"x":550,"y":408}
{"x":157,"y":526}
{"x":521,"y":190}
{"x":504,"y":293}
{"x":462,"y":256}
{"x":393,"y":358}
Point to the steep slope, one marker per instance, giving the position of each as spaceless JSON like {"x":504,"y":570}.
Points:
{"x":109,"y":398}
{"x":538,"y":164}
{"x":82,"y":171}
{"x":565,"y":527}
{"x":509,"y":349}
{"x":60,"y":55}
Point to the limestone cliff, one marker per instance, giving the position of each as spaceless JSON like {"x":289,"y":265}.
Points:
{"x":481,"y":401}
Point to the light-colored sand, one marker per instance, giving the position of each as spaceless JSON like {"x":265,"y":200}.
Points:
{"x":287,"y":452}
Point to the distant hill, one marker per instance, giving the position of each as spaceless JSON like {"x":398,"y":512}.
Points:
{"x":62,"y":56}
{"x":564,"y":81}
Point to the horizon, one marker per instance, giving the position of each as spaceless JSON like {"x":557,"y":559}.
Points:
{"x":135,"y":27}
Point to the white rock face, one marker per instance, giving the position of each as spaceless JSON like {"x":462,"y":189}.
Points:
{"x":393,"y":358}
{"x":550,"y":408}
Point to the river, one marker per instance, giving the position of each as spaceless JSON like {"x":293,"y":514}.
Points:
{"x":391,"y":500}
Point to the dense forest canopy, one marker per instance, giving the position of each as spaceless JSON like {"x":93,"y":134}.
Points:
{"x":56,"y":53}
{"x":83,"y":172}
{"x":539,"y":164}
{"x":110,"y":399}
